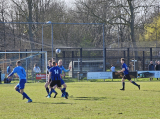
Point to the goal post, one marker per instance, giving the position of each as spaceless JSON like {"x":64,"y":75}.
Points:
{"x":28,"y":59}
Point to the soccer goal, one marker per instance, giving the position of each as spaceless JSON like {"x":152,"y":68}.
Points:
{"x":28,"y":61}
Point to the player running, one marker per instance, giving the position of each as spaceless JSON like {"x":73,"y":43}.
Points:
{"x":22,"y":80}
{"x":126,"y":75}
{"x":48,"y":82}
{"x":54,"y":75}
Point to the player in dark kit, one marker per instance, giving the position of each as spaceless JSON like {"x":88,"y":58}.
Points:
{"x":48,"y":82}
{"x":126,"y":75}
{"x":54,"y":75}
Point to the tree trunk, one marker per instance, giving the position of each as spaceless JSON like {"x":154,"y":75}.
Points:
{"x":132,"y":31}
{"x":4,"y":29}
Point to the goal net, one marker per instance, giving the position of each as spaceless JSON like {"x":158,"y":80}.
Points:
{"x":28,"y":61}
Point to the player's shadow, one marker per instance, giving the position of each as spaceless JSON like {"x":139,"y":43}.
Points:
{"x":90,"y":98}
{"x":60,"y":103}
{"x":152,"y":90}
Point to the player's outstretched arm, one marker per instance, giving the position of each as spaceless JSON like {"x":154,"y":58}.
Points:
{"x":11,"y":74}
{"x":65,"y":69}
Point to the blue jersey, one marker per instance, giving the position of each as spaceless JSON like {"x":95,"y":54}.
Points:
{"x":126,"y":69}
{"x":48,"y":68}
{"x":8,"y":70}
{"x":20,"y":72}
{"x":55,"y":73}
{"x":113,"y":69}
{"x":63,"y":69}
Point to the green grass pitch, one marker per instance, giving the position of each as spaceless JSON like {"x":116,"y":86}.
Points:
{"x":87,"y":100}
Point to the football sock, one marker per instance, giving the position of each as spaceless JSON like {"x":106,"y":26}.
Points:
{"x":47,"y":89}
{"x":63,"y":92}
{"x":18,"y":90}
{"x":123,"y":85}
{"x":134,"y":83}
{"x":54,"y":91}
{"x":25,"y":95}
{"x":50,"y":92}
{"x":64,"y":89}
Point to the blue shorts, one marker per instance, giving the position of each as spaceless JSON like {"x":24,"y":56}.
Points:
{"x":62,"y":82}
{"x":21,"y":84}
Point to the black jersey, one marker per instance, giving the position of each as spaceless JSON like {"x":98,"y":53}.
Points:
{"x":48,"y":68}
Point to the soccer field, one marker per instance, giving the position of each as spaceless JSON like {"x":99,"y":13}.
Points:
{"x":87,"y":100}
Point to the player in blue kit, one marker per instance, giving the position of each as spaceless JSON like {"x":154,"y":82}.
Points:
{"x":126,"y":75}
{"x":54,"y":75}
{"x":48,"y":82}
{"x":22,"y":80}
{"x":62,"y":82}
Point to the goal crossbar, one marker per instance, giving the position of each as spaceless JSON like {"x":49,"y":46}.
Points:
{"x":24,"y":52}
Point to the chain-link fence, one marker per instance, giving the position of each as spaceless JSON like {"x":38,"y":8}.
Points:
{"x":30,"y":61}
{"x":81,"y":44}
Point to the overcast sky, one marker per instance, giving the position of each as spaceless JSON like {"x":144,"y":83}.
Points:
{"x":69,"y":2}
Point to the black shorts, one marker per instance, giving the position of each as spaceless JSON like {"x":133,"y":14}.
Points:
{"x":50,"y":80}
{"x":127,"y":77}
{"x":55,"y":82}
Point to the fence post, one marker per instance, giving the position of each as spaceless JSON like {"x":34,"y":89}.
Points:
{"x":64,"y":59}
{"x":80,"y":59}
{"x":63,"y":52}
{"x":104,"y":68}
{"x":41,"y":61}
{"x":72,"y":64}
{"x":124,"y":53}
{"x":56,"y":57}
{"x":143,"y":61}
{"x":26,"y":66}
{"x":0,"y":76}
{"x":128,"y":57}
{"x":150,"y":54}
{"x":19,"y":54}
{"x":104,"y":65}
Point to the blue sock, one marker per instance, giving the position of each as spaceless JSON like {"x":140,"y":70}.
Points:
{"x":63,"y":92}
{"x":18,"y":90}
{"x":54,"y":91}
{"x":47,"y":89}
{"x":123,"y":85}
{"x":25,"y":95}
{"x":134,"y":83}
{"x":64,"y":89}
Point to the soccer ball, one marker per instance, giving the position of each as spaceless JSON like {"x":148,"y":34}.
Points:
{"x":58,"y":51}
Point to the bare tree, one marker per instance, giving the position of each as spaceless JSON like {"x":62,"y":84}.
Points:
{"x":26,"y":13}
{"x":116,"y":14}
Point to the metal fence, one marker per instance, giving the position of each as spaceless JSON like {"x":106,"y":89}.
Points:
{"x":85,"y":60}
{"x":28,"y":59}
{"x":82,"y":44}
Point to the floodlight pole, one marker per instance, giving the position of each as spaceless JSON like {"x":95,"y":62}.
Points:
{"x":42,"y":37}
{"x":49,"y":22}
